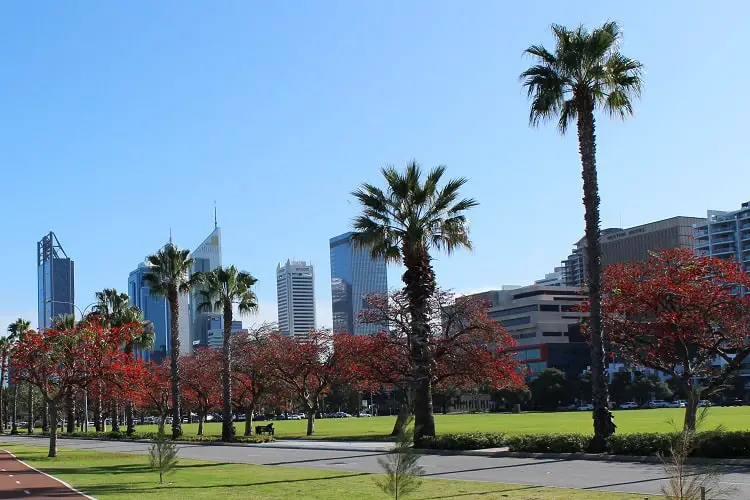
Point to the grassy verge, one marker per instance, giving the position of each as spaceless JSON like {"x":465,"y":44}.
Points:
{"x":110,"y":476}
{"x":379,"y":428}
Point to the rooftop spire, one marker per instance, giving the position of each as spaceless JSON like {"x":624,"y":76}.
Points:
{"x":170,"y":235}
{"x":216,"y":224}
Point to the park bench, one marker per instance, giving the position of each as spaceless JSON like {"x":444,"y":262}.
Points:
{"x":264,"y":429}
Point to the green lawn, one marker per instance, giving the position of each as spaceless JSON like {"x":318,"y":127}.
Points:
{"x":628,"y":421}
{"x":110,"y":476}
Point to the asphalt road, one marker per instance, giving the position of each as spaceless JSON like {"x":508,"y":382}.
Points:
{"x":633,"y":477}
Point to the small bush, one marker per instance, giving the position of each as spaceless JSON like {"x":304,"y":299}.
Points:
{"x":468,"y":441}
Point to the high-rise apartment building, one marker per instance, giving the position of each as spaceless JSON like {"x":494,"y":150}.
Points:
{"x":55,"y":279}
{"x":354,"y":276}
{"x":295,"y":289}
{"x":631,"y":245}
{"x":206,"y":257}
{"x":725,"y":235}
{"x":154,"y":308}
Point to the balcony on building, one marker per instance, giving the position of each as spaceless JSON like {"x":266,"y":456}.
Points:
{"x":723,"y":228}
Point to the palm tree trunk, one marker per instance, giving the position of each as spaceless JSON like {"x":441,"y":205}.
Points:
{"x":419,"y":279}
{"x":2,"y":393}
{"x":53,"y":429}
{"x":227,"y":426}
{"x":30,"y":421}
{"x":13,"y":424}
{"x":604,"y":425}
{"x":174,"y":312}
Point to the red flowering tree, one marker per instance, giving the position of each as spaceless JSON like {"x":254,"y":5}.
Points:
{"x":469,"y":350}
{"x":307,"y":366}
{"x":61,"y":361}
{"x":154,"y":391}
{"x":252,"y":375}
{"x":201,"y":382}
{"x":679,"y":313}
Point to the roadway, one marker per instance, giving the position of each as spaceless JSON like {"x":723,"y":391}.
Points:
{"x":632,"y":477}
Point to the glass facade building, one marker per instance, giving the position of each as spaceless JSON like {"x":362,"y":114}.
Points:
{"x":206,"y":257}
{"x":154,"y":308}
{"x":55,"y":279}
{"x":354,"y":276}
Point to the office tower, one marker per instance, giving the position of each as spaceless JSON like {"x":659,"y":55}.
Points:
{"x":725,"y":235}
{"x":354,"y":276}
{"x":555,"y":278}
{"x":206,"y":257}
{"x":631,"y":245}
{"x":295,"y":289}
{"x":546,"y":322}
{"x":155,"y":309}
{"x":55,"y":279}
{"x":215,"y":334}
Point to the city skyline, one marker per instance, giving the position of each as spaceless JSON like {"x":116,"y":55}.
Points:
{"x":176,"y":108}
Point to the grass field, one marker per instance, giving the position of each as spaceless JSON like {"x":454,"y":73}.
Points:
{"x":629,"y":421}
{"x":111,"y":476}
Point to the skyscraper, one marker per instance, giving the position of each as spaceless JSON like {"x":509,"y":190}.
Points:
{"x":354,"y":276}
{"x":56,"y":280}
{"x":154,"y":308}
{"x":725,"y":235}
{"x":206,"y":257}
{"x":295,"y":289}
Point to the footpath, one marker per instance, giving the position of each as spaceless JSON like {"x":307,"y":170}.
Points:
{"x":21,"y":481}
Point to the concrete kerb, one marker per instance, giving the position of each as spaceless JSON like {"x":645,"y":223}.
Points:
{"x":491,"y":453}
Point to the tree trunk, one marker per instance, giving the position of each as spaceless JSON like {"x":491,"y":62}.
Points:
{"x":406,"y":410}
{"x":201,"y":418}
{"x":129,"y":421}
{"x":45,"y":418}
{"x":2,"y":393}
{"x":70,"y":411}
{"x":419,"y":281}
{"x":53,"y":429}
{"x":604,"y":425}
{"x":310,"y":422}
{"x":13,"y":423}
{"x":249,"y":422}
{"x":30,"y":422}
{"x":691,"y":408}
{"x":99,"y":424}
{"x":227,"y":426}
{"x":174,"y":312}
{"x":115,"y":417}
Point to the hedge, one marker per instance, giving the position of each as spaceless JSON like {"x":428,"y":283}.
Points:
{"x":711,"y":444}
{"x":122,"y":436}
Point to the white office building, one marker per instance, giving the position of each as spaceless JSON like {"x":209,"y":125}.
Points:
{"x":725,"y":235}
{"x":295,"y":288}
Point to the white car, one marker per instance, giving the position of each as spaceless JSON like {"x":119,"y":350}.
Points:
{"x":630,"y":405}
{"x":365,"y":415}
{"x":294,"y":416}
{"x":586,"y":407}
{"x":658,"y":403}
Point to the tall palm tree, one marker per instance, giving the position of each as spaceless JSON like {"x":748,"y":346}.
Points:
{"x":404,"y":223}
{"x":142,"y":341}
{"x":220,"y":289}
{"x":586,"y":72}
{"x":169,"y":277}
{"x":17,"y":333}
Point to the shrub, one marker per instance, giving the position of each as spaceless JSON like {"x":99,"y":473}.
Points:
{"x":548,"y":443}
{"x":722,"y":444}
{"x":467,"y":441}
{"x":645,"y":444}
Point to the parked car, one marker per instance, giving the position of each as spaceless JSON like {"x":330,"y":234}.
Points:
{"x":630,"y":405}
{"x":680,"y":403}
{"x":658,"y":403}
{"x":704,"y":402}
{"x":365,"y":415}
{"x":294,"y":416}
{"x":586,"y":407}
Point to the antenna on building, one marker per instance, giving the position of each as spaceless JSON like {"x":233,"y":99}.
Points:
{"x":216,"y":224}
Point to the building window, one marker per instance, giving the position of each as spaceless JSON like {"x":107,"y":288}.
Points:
{"x":513,"y":310}
{"x":549,"y":307}
{"x":570,"y":308}
{"x":552,"y":334}
{"x":525,"y":320}
{"x":536,"y":367}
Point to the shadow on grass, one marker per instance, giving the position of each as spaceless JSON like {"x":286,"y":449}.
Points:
{"x":488,"y":492}
{"x":124,"y":468}
{"x":125,"y":487}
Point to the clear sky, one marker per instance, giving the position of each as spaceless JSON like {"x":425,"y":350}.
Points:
{"x":121,"y":119}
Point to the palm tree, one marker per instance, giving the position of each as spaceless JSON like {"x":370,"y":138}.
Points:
{"x":142,"y":341}
{"x":169,"y":277}
{"x":585,"y":72}
{"x":220,"y":289}
{"x":404,"y":223}
{"x":16,"y":333}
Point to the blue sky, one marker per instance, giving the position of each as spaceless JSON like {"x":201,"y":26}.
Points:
{"x":119,"y":120}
